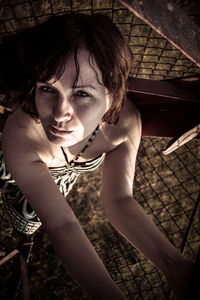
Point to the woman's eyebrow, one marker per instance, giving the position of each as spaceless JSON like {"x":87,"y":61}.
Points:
{"x":44,"y":82}
{"x":76,"y":87}
{"x":85,"y":87}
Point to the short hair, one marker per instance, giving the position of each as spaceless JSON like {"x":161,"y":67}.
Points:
{"x":43,"y":51}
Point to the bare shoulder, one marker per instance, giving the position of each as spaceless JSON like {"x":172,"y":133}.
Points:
{"x":130,"y":119}
{"x":119,"y":165}
{"x":129,"y":124}
{"x":18,"y":139}
{"x":17,"y":122}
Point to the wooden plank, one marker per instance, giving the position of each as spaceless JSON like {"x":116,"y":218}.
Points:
{"x":171,"y":23}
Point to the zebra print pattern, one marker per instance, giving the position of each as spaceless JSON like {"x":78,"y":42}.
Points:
{"x":23,"y":218}
{"x":66,"y":176}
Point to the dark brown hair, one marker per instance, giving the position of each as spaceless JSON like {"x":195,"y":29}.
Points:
{"x":42,"y":52}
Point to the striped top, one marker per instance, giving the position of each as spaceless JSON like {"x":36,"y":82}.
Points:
{"x":66,"y":176}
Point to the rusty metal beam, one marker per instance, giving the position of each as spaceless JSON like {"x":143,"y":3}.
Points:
{"x":168,"y":108}
{"x":171,"y":23}
{"x":153,"y":91}
{"x":9,"y":256}
{"x":170,"y":120}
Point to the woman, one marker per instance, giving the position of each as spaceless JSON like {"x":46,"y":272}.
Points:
{"x":68,"y":76}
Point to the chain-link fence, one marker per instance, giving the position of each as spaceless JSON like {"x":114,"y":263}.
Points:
{"x":166,"y":186}
{"x":154,"y":57}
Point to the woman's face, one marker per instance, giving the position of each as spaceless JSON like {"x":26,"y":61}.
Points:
{"x":70,"y":115}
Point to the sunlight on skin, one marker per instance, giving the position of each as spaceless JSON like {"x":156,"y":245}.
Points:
{"x":76,"y":112}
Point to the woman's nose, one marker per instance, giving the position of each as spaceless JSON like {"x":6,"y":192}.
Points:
{"x":62,"y":111}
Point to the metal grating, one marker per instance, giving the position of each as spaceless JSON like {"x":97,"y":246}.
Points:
{"x":154,"y":57}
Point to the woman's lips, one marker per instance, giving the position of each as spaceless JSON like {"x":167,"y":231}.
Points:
{"x":60,"y":131}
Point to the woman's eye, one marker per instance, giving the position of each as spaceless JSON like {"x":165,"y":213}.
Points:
{"x":81,"y":94}
{"x":47,"y":89}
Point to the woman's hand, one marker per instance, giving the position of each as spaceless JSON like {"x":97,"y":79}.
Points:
{"x":179,"y":276}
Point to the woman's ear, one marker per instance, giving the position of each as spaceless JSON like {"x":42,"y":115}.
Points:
{"x":109,"y":100}
{"x":108,"y":106}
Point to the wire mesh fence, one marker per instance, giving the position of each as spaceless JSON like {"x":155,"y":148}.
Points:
{"x":166,"y":186}
{"x":154,"y":57}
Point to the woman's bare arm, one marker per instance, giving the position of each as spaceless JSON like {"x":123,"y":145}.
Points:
{"x":130,"y":218}
{"x":68,"y":239}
